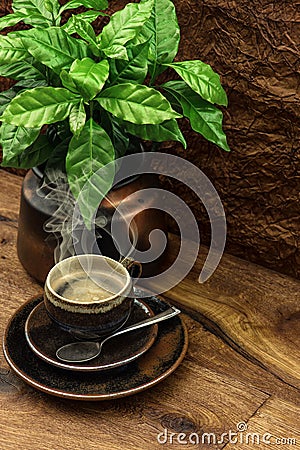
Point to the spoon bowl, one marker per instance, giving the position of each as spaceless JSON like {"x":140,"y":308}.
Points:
{"x":83,"y":351}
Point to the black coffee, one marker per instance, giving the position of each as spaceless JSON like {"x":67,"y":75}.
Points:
{"x":83,"y":289}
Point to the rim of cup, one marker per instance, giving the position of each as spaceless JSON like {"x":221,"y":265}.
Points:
{"x":86,"y":256}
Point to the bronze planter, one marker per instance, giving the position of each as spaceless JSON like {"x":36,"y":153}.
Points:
{"x":36,"y":247}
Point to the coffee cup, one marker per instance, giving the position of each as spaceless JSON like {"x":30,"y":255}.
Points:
{"x":90,"y":294}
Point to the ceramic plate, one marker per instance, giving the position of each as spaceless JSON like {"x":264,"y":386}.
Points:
{"x":156,"y":364}
{"x":45,"y":337}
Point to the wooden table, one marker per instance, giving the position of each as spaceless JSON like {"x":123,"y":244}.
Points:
{"x":242,"y":365}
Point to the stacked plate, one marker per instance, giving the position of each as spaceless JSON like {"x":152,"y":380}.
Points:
{"x":126,"y":365}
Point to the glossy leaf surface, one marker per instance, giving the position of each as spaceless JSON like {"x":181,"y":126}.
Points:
{"x":136,"y":103}
{"x":166,"y":131}
{"x":133,"y":70}
{"x":35,"y":11}
{"x":125,"y":24}
{"x":14,"y":140}
{"x":87,"y":16}
{"x":204,"y":117}
{"x":23,"y":70}
{"x":93,"y":4}
{"x":77,"y":118}
{"x":89,"y":77}
{"x":34,"y":155}
{"x":84,"y":30}
{"x":11,"y":19}
{"x":89,"y":152}
{"x":202,"y":79}
{"x":12,"y":50}
{"x":39,"y":106}
{"x":165,"y":36}
{"x":54,"y":47}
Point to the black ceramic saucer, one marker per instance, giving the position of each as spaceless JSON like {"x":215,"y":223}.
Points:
{"x":156,"y":364}
{"x":45,"y":337}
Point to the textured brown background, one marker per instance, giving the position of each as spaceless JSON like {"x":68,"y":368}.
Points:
{"x":254,"y":46}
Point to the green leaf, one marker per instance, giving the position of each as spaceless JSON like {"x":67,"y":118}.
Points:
{"x":116,"y":132}
{"x":84,"y":30}
{"x":68,"y":81}
{"x":77,"y":118}
{"x":7,"y":96}
{"x":89,"y":77}
{"x":28,"y":84}
{"x":119,"y":139}
{"x":94,"y":4}
{"x":125,"y":24}
{"x":54,"y":48}
{"x":165,"y":35}
{"x":58,"y":132}
{"x":11,"y":19}
{"x":87,"y":16}
{"x":143,"y":36}
{"x":116,"y":52}
{"x":204,"y":117}
{"x":133,"y":70}
{"x":51,"y":6}
{"x":202,"y":79}
{"x":29,"y":7}
{"x":95,"y":51}
{"x":57,"y":159}
{"x":36,"y":20}
{"x":39,"y":106}
{"x":35,"y":12}
{"x":15,"y":140}
{"x":166,"y":131}
{"x":33,"y":156}
{"x":12,"y":50}
{"x":23,"y":70}
{"x":136,"y":103}
{"x":89,"y":152}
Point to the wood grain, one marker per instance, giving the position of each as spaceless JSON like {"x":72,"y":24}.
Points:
{"x":269,"y":423}
{"x":224,"y":379}
{"x":255,"y":310}
{"x":216,"y":404}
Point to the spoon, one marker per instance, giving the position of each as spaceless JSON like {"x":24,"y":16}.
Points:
{"x":78,"y":352}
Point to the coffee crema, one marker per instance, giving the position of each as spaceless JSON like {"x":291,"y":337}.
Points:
{"x":82,"y":289}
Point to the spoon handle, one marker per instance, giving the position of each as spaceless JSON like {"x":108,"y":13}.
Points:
{"x":167,"y":314}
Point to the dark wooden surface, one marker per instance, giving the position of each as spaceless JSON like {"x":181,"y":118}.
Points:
{"x":242,"y":364}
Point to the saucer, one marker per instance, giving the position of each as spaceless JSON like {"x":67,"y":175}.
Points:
{"x":156,"y":364}
{"x":45,"y":337}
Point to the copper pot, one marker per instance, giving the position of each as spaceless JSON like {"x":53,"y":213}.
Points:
{"x":36,"y":247}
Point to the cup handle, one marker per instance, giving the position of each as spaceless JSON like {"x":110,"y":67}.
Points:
{"x":134,"y":268}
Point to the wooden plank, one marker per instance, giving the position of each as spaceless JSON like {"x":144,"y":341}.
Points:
{"x":192,"y":399}
{"x":255,"y":310}
{"x":214,"y":388}
{"x":10,"y":189}
{"x":269,"y":426}
{"x":210,"y":351}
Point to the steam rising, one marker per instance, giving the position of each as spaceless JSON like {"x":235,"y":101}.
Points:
{"x":73,"y":284}
{"x":56,"y":191}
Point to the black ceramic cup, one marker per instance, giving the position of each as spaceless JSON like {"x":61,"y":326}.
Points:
{"x":89,"y":294}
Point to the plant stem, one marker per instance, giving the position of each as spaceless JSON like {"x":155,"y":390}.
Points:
{"x":91,"y":105}
{"x":153,"y":76}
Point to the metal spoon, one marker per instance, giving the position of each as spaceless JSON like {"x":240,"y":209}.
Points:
{"x":82,"y":351}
